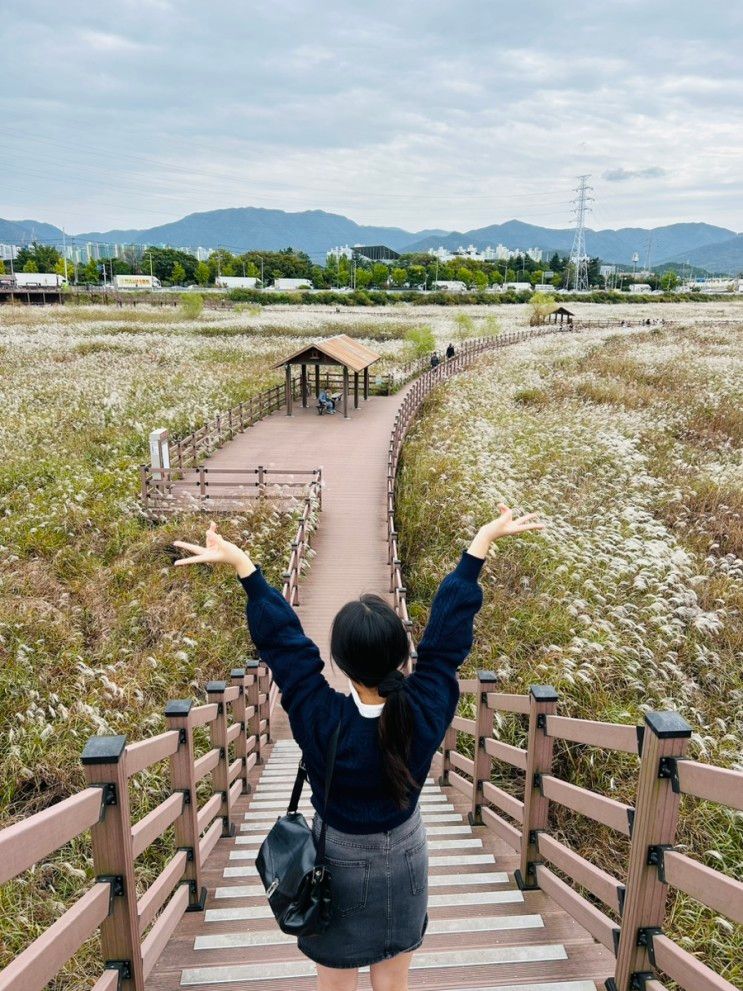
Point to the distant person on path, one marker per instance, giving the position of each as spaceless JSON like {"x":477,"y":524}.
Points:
{"x":326,"y":401}
{"x":450,"y":352}
{"x":434,"y":359}
{"x":391,"y":726}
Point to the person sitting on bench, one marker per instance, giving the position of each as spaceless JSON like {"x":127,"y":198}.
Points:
{"x":326,"y":402}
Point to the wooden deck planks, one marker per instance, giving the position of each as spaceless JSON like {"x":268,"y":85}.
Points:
{"x":351,"y":557}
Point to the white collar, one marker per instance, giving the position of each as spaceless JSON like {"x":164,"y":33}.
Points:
{"x":369,"y":711}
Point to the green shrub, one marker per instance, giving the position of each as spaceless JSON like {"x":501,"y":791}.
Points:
{"x":420,"y":341}
{"x":192,"y":304}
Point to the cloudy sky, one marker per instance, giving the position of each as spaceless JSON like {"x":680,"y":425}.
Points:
{"x":131,"y":114}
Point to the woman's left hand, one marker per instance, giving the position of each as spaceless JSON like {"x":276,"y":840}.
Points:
{"x":217,"y":551}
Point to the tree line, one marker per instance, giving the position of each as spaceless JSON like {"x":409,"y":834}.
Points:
{"x":414,"y":271}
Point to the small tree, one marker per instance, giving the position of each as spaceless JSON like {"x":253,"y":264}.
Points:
{"x":191,"y":305}
{"x":398,"y":277}
{"x":30,"y":266}
{"x":178,"y":274}
{"x":379,"y":275}
{"x":363,"y":278}
{"x":669,"y":281}
{"x":541,"y":304}
{"x":203,"y":274}
{"x":479,"y":280}
{"x":465,"y":327}
{"x":420,"y":341}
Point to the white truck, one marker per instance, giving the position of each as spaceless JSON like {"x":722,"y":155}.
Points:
{"x":39,"y":280}
{"x":235,"y":282}
{"x":136,"y":282}
{"x":291,"y":285}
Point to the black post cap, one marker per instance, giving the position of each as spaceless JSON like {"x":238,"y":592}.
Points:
{"x":237,"y":673}
{"x":178,"y":707}
{"x":543,"y":693}
{"x":667,"y":725}
{"x":104,"y":750}
{"x":489,"y":676}
{"x":216,"y":686}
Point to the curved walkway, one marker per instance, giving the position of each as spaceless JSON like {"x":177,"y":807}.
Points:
{"x":484,"y":933}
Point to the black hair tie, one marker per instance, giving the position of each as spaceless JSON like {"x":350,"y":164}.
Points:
{"x":391,"y":683}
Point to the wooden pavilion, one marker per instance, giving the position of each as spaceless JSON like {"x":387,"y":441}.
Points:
{"x":340,"y":350}
{"x":552,"y":314}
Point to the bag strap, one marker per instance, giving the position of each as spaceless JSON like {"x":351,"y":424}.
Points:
{"x":297,"y":789}
{"x":329,"y":766}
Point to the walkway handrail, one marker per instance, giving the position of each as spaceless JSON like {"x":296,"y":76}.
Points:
{"x":209,"y":491}
{"x":407,"y":412}
{"x":632,"y":925}
{"x":134,"y":930}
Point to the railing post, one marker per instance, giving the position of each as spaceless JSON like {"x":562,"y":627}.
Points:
{"x":449,"y":743}
{"x":104,"y":761}
{"x":178,"y":717}
{"x":202,"y":484}
{"x":254,"y":720}
{"x":261,"y":481}
{"x":665,"y":738}
{"x":264,"y":684}
{"x":220,"y":775}
{"x":237,"y":676}
{"x":542,"y":703}
{"x":144,"y":486}
{"x":483,"y":729}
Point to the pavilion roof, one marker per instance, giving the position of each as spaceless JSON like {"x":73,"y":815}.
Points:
{"x":341,"y":350}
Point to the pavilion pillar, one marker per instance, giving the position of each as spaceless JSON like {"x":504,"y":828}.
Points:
{"x":355,"y":390}
{"x":366,"y":383}
{"x":304,"y":386}
{"x":317,"y":380}
{"x":288,"y":390}
{"x":345,"y":391}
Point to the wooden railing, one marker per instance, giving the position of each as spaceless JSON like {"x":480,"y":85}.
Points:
{"x":134,"y":930}
{"x":165,"y":491}
{"x":633,"y":927}
{"x":301,"y":543}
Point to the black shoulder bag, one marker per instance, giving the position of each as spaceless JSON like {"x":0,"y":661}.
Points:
{"x":292,"y":867}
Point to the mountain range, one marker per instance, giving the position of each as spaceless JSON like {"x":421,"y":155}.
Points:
{"x":716,"y":249}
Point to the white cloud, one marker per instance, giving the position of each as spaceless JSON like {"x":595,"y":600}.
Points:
{"x":396,"y":113}
{"x":622,"y":174}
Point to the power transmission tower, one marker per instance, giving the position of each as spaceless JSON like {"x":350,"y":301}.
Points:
{"x":578,"y":256}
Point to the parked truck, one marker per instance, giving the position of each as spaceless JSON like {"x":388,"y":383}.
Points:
{"x":39,"y":280}
{"x":136,"y":282}
{"x":235,"y":282}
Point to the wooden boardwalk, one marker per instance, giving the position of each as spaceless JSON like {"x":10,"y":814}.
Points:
{"x":484,"y":932}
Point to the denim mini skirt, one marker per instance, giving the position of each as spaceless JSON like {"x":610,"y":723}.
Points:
{"x":379,"y":895}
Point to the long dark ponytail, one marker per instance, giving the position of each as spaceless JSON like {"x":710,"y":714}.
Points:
{"x":368,"y":642}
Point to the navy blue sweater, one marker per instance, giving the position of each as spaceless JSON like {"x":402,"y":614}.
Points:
{"x":360,"y":801}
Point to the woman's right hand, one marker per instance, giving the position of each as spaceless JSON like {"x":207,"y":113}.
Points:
{"x":504,"y":526}
{"x":217,"y":551}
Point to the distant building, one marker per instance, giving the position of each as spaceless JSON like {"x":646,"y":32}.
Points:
{"x":365,"y":253}
{"x":375,"y":253}
{"x":498,"y":254}
{"x":450,"y":285}
{"x":344,"y":251}
{"x":639,"y":287}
